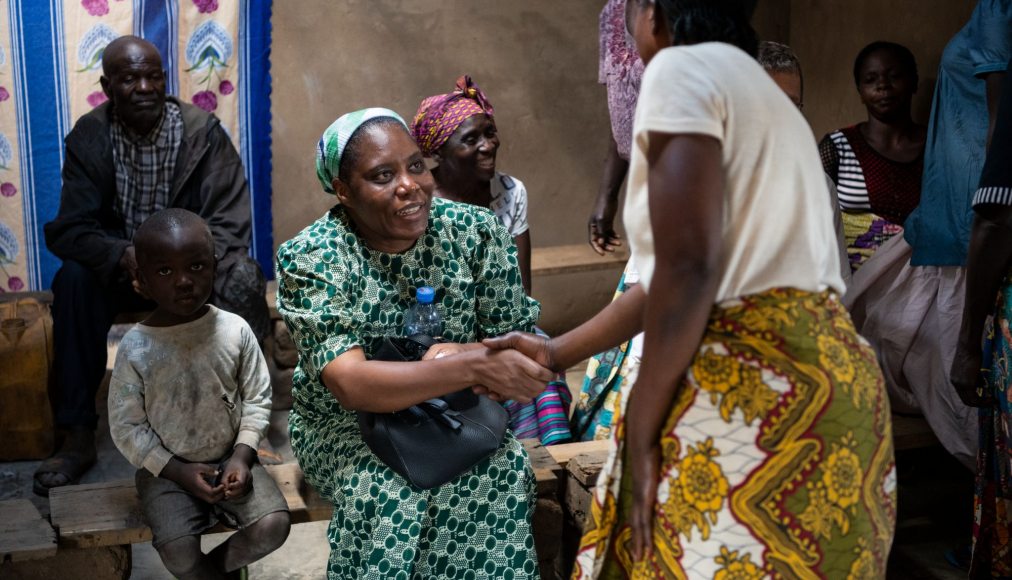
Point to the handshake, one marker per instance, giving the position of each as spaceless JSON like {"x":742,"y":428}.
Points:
{"x":516,"y":366}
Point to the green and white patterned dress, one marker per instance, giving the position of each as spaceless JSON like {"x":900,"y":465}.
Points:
{"x":335,"y":294}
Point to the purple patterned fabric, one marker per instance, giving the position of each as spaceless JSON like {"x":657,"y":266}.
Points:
{"x":620,"y":71}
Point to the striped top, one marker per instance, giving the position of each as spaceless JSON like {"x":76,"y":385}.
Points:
{"x":868,"y":181}
{"x":995,"y":195}
{"x":995,"y":185}
{"x":849,"y":177}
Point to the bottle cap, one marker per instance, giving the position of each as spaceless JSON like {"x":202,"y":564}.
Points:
{"x":425,"y":295}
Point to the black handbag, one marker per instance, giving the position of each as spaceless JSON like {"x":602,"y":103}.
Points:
{"x":435,"y":441}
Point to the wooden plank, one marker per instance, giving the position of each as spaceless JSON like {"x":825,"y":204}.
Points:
{"x":98,"y":514}
{"x":586,"y":467}
{"x":912,"y":433}
{"x":565,"y":452}
{"x":582,"y":472}
{"x":576,"y":502}
{"x":574,"y":258}
{"x":24,"y":534}
{"x":547,"y":472}
{"x":304,"y":503}
{"x":109,"y":514}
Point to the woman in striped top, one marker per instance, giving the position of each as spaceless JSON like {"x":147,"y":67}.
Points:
{"x":877,"y":164}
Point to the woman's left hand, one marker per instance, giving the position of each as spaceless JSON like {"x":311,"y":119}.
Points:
{"x":443,"y":349}
{"x":645,"y":467}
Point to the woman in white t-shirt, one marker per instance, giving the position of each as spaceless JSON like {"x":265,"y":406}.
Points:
{"x":458,"y":131}
{"x":756,"y":439}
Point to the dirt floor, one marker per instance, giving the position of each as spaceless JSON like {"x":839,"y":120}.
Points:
{"x":935,"y":515}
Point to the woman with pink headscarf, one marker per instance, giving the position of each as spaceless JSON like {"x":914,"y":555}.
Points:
{"x":458,"y":131}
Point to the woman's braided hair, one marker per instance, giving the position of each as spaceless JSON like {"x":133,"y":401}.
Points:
{"x":696,"y":21}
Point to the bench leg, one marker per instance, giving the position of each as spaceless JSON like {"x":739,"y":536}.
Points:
{"x":547,"y":535}
{"x":108,"y":563}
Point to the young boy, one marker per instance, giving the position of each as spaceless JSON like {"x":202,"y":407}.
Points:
{"x":189,"y":402}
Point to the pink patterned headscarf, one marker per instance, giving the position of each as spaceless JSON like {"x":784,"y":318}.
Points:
{"x":439,"y":116}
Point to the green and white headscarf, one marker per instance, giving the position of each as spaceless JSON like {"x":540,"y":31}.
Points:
{"x":336,"y":137}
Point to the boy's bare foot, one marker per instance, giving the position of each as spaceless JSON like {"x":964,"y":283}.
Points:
{"x":75,"y":456}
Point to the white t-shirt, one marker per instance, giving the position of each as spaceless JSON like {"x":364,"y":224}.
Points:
{"x":778,"y":224}
{"x":509,"y":203}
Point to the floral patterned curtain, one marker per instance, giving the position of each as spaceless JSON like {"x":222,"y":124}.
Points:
{"x":216,"y":54}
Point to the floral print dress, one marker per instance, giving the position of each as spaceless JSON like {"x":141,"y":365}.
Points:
{"x":777,"y":456}
{"x":335,"y":293}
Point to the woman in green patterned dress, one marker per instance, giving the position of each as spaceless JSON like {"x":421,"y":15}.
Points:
{"x":344,"y":284}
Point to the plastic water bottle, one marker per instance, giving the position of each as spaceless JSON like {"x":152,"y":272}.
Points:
{"x":424,"y":317}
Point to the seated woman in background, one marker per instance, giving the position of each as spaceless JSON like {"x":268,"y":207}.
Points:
{"x":458,"y":131}
{"x":344,"y":284}
{"x":877,"y":164}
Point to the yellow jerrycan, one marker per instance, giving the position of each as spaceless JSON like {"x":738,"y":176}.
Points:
{"x":26,"y":363}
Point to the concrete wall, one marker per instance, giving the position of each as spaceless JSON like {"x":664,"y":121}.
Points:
{"x":536,"y":60}
{"x":828,"y":34}
{"x":772,"y":20}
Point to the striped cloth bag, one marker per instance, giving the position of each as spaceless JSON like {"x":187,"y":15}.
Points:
{"x":546,"y":418}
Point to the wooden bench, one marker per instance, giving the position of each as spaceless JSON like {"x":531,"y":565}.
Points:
{"x":24,"y":533}
{"x":108,"y":515}
{"x":552,"y":260}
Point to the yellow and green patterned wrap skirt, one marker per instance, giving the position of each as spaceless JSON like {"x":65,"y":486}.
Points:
{"x":777,"y":455}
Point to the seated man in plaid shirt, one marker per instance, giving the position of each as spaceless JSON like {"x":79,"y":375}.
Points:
{"x":138,"y":153}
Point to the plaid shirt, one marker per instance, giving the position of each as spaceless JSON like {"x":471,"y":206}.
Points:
{"x":145,"y":167}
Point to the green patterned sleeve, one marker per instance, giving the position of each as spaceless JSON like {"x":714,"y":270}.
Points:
{"x":502,"y":303}
{"x":312,"y":299}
